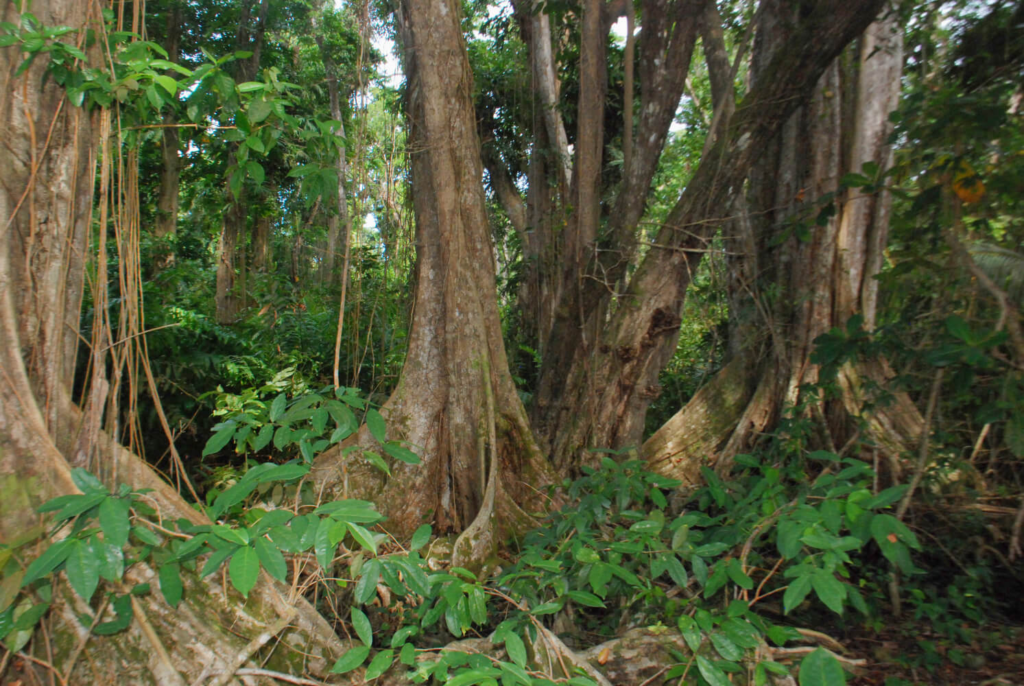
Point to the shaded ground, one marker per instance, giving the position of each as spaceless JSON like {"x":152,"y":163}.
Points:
{"x":897,"y":657}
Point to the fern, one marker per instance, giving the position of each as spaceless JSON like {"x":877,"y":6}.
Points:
{"x":1004,"y":266}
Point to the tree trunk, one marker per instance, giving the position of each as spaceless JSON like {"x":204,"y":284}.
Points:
{"x":455,"y":403}
{"x":339,"y":223}
{"x":229,"y":301}
{"x":610,"y":384}
{"x":170,"y":171}
{"x":819,"y":273}
{"x":46,"y":189}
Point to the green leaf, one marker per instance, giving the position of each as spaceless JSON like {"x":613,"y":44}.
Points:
{"x":277,"y":407}
{"x":676,"y":570}
{"x":735,"y":572}
{"x":255,"y":171}
{"x":231,"y":534}
{"x":271,"y":559}
{"x":726,"y":648}
{"x":322,"y":544}
{"x":711,"y":673}
{"x":263,"y":438}
{"x":420,"y":537}
{"x":516,"y":648}
{"x":690,"y":631}
{"x":407,"y":656}
{"x":114,"y":516}
{"x":363,"y":537}
{"x":255,"y":143}
{"x":167,"y":83}
{"x":250,"y":86}
{"x":170,"y":583}
{"x":219,"y":440}
{"x":231,"y":497}
{"x":244,"y":570}
{"x":821,"y":668}
{"x":380,"y":663}
{"x":361,"y":624}
{"x":797,"y":591}
{"x":111,"y":559}
{"x":216,"y":559}
{"x":830,"y":590}
{"x":547,"y":608}
{"x":375,"y":423}
{"x":83,"y":569}
{"x":258,"y":111}
{"x":375,"y":459}
{"x":366,"y":587}
{"x":123,"y":609}
{"x":51,"y":558}
{"x":584,"y":598}
{"x":87,"y":483}
{"x":401,"y":453}
{"x":350,"y":660}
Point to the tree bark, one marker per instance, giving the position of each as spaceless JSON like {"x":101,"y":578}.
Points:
{"x":170,"y":171}
{"x":455,"y":403}
{"x":609,"y":385}
{"x":229,"y":301}
{"x":339,"y":223}
{"x":46,"y":190}
{"x":815,"y":271}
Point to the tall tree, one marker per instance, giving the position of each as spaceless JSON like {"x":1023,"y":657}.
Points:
{"x":818,"y":277}
{"x":455,"y":401}
{"x":46,"y":190}
{"x":231,"y":249}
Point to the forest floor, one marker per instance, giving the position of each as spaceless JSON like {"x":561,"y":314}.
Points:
{"x":898,"y":656}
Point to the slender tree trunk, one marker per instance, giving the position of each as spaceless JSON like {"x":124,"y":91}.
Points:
{"x":455,"y":402}
{"x":46,"y":188}
{"x":170,"y":171}
{"x":339,"y":223}
{"x":229,"y":301}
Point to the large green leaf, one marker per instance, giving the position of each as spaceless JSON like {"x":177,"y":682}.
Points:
{"x":351,"y":660}
{"x":516,"y":648}
{"x":380,"y":663}
{"x":797,"y":591}
{"x":711,"y":673}
{"x":821,"y":668}
{"x":830,"y":590}
{"x":83,"y":569}
{"x":375,"y":423}
{"x":170,"y":583}
{"x":271,"y":558}
{"x":361,"y":624}
{"x":244,"y":570}
{"x":114,"y":520}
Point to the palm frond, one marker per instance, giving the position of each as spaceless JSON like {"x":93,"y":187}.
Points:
{"x":1004,"y":266}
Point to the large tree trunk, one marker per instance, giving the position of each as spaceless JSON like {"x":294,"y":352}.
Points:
{"x":820,"y":274}
{"x":46,"y":188}
{"x":611,"y":382}
{"x":455,"y":402}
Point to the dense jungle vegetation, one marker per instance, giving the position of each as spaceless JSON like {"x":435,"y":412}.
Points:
{"x":527,"y":342}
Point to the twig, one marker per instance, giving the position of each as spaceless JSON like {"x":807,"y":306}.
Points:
{"x":922,"y":452}
{"x":81,"y":643}
{"x":173,"y":676}
{"x":804,"y":650}
{"x":1018,"y":523}
{"x":254,"y":645}
{"x":279,"y":676}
